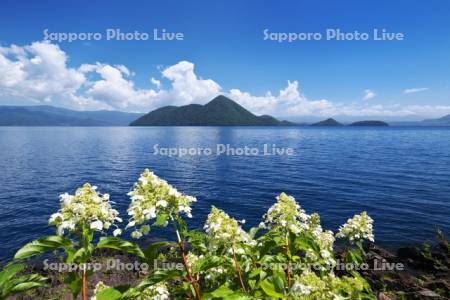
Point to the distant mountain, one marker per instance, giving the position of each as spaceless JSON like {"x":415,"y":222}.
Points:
{"x":443,"y":121}
{"x":369,"y":123}
{"x":327,"y":122}
{"x":221,"y":111}
{"x":44,"y":115}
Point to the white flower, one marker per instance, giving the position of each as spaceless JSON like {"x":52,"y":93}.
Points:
{"x":151,"y":196}
{"x":224,"y":230}
{"x":136,"y":234}
{"x":359,"y":227}
{"x":149,"y":213}
{"x":157,"y":291}
{"x":55,"y":217}
{"x":87,"y":208}
{"x":161,"y":203}
{"x":117,"y":232}
{"x":286,"y":213}
{"x":97,"y":225}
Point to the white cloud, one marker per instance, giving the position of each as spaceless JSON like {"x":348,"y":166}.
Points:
{"x":187,"y":87}
{"x":289,"y":102}
{"x":369,"y":94}
{"x":414,"y":90}
{"x":156,"y":82}
{"x":40,"y":73}
{"x":37,"y":72}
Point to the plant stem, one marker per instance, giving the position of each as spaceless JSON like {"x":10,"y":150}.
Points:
{"x":288,"y":269}
{"x":185,"y":263}
{"x":84,"y":285}
{"x":238,"y":269}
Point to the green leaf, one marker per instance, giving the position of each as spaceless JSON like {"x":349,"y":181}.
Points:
{"x":122,"y":245}
{"x":108,"y":294}
{"x":225,"y":292}
{"x":9,"y":272}
{"x":354,"y":256}
{"x":183,"y":227}
{"x":73,"y":280}
{"x":253,"y":231}
{"x":270,"y":289}
{"x":206,"y":263}
{"x":151,"y":253}
{"x":83,"y":254}
{"x":158,"y":276}
{"x":43,"y":245}
{"x":25,"y":286}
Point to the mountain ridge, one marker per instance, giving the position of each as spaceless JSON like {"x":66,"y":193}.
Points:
{"x":46,"y":115}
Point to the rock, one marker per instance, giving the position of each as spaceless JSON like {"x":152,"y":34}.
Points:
{"x":441,"y":284}
{"x":382,"y":252}
{"x":382,"y":296}
{"x":428,"y":294}
{"x":413,"y":253}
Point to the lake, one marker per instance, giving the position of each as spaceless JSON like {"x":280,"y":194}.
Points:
{"x":400,"y":176}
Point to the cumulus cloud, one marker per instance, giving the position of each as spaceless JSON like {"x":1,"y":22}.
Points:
{"x":37,"y":72}
{"x":40,"y":73}
{"x":414,"y":90}
{"x":187,"y":87}
{"x":288,"y":102}
{"x":369,"y":94}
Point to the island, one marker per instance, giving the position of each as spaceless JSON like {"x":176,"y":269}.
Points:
{"x":369,"y":123}
{"x":221,"y":111}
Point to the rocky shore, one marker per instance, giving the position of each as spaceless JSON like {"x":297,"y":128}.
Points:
{"x":425,"y":273}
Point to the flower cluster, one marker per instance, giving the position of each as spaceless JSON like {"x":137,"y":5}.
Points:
{"x":286,"y":213}
{"x":86,"y":208}
{"x":311,"y":286}
{"x":306,"y":285}
{"x":158,"y":291}
{"x":152,"y":197}
{"x":359,"y":227}
{"x":325,"y":241}
{"x":224,"y":230}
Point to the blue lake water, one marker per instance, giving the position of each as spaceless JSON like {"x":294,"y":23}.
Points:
{"x":401,"y":176}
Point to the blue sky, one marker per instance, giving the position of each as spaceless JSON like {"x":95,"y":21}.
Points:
{"x":223,"y":48}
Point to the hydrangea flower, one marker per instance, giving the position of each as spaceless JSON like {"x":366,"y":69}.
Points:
{"x":152,"y":197}
{"x":286,"y":213}
{"x":224,"y":230}
{"x":86,"y":208}
{"x":158,"y":291}
{"x":359,"y":227}
{"x":308,"y":284}
{"x":325,"y":241}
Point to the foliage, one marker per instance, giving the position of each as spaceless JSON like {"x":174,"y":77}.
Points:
{"x":288,"y":256}
{"x":11,"y":283}
{"x":79,"y":217}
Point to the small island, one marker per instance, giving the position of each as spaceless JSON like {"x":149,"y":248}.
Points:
{"x":369,"y":123}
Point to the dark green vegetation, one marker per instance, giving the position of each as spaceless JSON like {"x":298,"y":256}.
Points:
{"x":333,"y":122}
{"x":43,"y":115}
{"x":221,"y":111}
{"x":327,"y":122}
{"x":369,"y":123}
